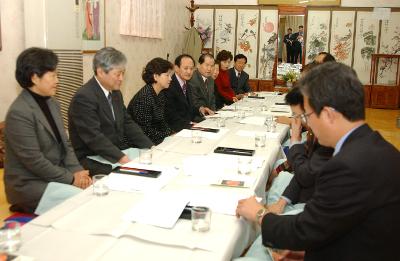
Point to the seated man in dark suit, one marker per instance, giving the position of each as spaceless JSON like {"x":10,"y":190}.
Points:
{"x":179,"y":109}
{"x":203,"y":85}
{"x":98,"y":121}
{"x":355,"y":209}
{"x":239,"y":78}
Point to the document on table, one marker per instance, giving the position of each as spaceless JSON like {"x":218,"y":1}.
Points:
{"x":158,"y":209}
{"x":254,"y":120}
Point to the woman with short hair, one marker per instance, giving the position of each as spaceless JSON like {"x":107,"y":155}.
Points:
{"x":147,"y":106}
{"x":37,"y":149}
{"x":223,"y":82}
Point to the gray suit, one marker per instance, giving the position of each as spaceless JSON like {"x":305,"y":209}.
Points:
{"x":34,"y":156}
{"x":202,"y":95}
{"x":93,"y":131}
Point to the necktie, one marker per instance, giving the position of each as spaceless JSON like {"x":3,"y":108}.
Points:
{"x":109,"y":99}
{"x":205,"y":85}
{"x":238,"y":76}
{"x":184,"y":88}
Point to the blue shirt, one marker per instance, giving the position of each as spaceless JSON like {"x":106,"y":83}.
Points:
{"x":339,"y":144}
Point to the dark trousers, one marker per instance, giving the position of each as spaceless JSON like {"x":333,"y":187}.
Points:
{"x":289,"y":54}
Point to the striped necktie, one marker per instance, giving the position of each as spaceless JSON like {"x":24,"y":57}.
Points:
{"x":109,"y":99}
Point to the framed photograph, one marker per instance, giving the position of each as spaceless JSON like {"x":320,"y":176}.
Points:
{"x":92,"y":25}
{"x":296,"y":2}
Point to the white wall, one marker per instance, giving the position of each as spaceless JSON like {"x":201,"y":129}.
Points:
{"x":139,"y":50}
{"x":12,"y":37}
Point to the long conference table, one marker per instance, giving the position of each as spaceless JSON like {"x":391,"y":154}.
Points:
{"x":88,"y":227}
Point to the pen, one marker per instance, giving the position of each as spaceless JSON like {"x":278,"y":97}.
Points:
{"x":134,"y":169}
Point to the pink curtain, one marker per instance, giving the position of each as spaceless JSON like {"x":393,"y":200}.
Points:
{"x":142,"y":18}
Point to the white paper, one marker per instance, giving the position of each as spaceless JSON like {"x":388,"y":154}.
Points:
{"x":220,"y":201}
{"x":255,"y":120}
{"x":159,"y":209}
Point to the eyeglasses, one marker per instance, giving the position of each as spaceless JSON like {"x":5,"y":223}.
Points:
{"x":304,"y":117}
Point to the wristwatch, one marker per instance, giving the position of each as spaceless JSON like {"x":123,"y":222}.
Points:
{"x":261,"y":212}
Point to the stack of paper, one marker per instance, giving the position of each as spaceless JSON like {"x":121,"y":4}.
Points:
{"x":160,"y":209}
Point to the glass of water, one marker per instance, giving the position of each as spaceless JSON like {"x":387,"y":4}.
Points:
{"x":100,"y":187}
{"x":10,"y":237}
{"x":201,"y":219}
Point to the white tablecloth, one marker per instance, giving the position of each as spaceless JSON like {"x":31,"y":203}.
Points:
{"x":86,"y":227}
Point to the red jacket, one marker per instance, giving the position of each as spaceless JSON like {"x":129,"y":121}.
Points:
{"x":224,"y":85}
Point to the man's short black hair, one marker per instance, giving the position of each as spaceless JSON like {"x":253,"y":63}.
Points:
{"x":33,"y":61}
{"x":295,"y":97}
{"x":337,"y":86}
{"x":178,"y":60}
{"x":300,"y":26}
{"x":224,"y":55}
{"x":290,"y":29}
{"x":155,"y":66}
{"x":240,"y":56}
{"x":203,"y":56}
{"x":327,"y":57}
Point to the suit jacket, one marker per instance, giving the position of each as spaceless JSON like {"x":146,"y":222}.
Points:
{"x":93,"y":130}
{"x":179,"y":109}
{"x":202,"y":95}
{"x":354,"y":212}
{"x":34,"y":156}
{"x":240,"y":85}
{"x":287,"y":40}
{"x":306,"y":165}
{"x":147,"y":109}
{"x":296,"y":43}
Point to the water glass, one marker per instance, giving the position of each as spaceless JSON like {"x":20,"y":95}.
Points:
{"x":100,"y":187}
{"x":146,"y":156}
{"x":259,"y":140}
{"x":196,"y":136}
{"x":244,"y":165}
{"x":10,"y":237}
{"x":269,"y":122}
{"x":201,"y":219}
{"x":221,"y":122}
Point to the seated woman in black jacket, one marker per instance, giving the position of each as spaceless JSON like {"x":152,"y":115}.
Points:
{"x":147,"y":106}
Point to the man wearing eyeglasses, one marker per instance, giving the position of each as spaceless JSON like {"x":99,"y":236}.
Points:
{"x":354,"y":212}
{"x":305,"y":159}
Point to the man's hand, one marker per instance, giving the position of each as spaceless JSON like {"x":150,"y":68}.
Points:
{"x":240,"y":96}
{"x":248,"y":208}
{"x":82,"y":179}
{"x":124,"y":160}
{"x":234,"y":99}
{"x":296,"y":128}
{"x":206,"y":111}
{"x":288,"y":255}
{"x":283,"y":120}
{"x":278,"y":206}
